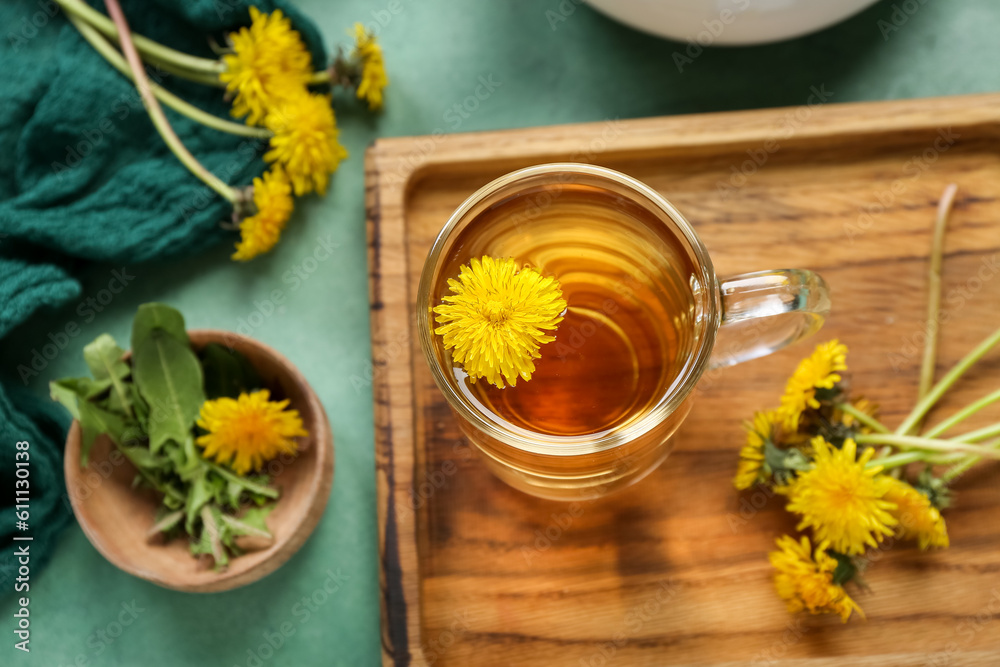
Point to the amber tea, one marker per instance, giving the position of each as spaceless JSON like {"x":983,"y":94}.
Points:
{"x":626,"y":331}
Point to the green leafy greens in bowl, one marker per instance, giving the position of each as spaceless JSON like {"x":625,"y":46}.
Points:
{"x":148,"y":405}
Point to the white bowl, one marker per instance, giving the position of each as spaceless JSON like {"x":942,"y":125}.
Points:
{"x":730,"y":22}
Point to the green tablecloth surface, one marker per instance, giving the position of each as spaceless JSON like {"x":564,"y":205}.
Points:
{"x":586,"y":68}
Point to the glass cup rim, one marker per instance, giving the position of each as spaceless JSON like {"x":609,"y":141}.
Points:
{"x":680,"y":388}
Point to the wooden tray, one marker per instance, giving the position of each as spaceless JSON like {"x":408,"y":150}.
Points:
{"x":674,"y":570}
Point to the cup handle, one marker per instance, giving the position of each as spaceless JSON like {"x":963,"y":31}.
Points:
{"x":764,"y":311}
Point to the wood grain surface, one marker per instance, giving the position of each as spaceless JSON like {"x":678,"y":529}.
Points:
{"x":674,"y":570}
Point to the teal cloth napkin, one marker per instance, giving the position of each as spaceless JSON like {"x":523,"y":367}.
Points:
{"x":85,"y":178}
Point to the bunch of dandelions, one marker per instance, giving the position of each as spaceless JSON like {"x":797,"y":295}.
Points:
{"x":267,"y":72}
{"x":848,"y":477}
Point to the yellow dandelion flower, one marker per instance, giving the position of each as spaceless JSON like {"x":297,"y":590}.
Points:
{"x":305,"y":141}
{"x":841,"y":500}
{"x":373,"y":76}
{"x":748,"y":472}
{"x":918,"y":519}
{"x":272,"y":196}
{"x":804,"y":579}
{"x":248,"y":431}
{"x":496,"y":316}
{"x":817,"y":371}
{"x":268,"y":58}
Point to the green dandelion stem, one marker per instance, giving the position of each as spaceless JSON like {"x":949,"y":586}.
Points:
{"x":865,"y":419}
{"x":896,"y":460}
{"x":184,"y":64}
{"x":927,"y":444}
{"x":250,"y":486}
{"x":934,"y":294}
{"x":959,"y":469}
{"x":156,"y":114}
{"x":966,"y":463}
{"x":962,"y":414}
{"x":342,"y":72}
{"x":102,"y":46}
{"x":204,"y":79}
{"x":979,"y":435}
{"x":935,"y":394}
{"x":915,"y":456}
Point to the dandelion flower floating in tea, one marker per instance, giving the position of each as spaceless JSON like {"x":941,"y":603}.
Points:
{"x":496,"y":316}
{"x":247,"y":431}
{"x":842,"y":499}
{"x":807,"y":581}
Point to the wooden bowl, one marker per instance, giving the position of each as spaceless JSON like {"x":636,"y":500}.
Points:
{"x":116,"y":518}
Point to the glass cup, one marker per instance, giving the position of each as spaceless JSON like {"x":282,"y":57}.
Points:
{"x":610,"y":232}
